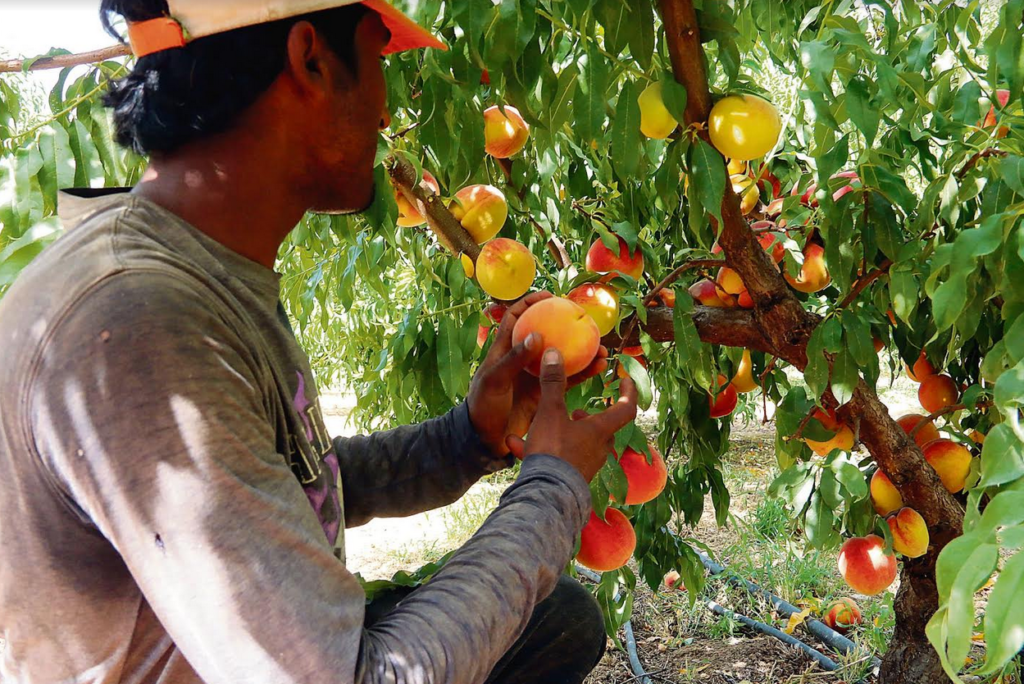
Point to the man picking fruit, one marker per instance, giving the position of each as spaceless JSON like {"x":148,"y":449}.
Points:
{"x":172,"y":508}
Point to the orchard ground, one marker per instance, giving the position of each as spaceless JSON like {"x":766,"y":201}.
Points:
{"x":678,"y":643}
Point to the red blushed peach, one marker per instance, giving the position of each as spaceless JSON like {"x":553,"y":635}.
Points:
{"x":843,"y":615}
{"x":951,"y":461}
{"x":504,"y":134}
{"x":600,"y":259}
{"x":772,"y":243}
{"x":563,"y":325}
{"x":601,"y":302}
{"x":646,"y":480}
{"x":482,"y":211}
{"x":729,"y":281}
{"x":745,"y":300}
{"x":494,"y":313}
{"x":607,"y":544}
{"x":865,"y":565}
{"x":408,"y":217}
{"x":725,"y":401}
{"x":814,"y":275}
{"x":708,"y":294}
{"x":667,"y":296}
{"x":926,"y":434}
{"x":842,"y":439}
{"x":673,"y":580}
{"x":878,"y":344}
{"x":937,"y":392}
{"x":884,"y":495}
{"x":505,"y":269}
{"x":909,"y":533}
{"x":921,"y":370}
{"x":633,"y":351}
{"x":990,"y":119}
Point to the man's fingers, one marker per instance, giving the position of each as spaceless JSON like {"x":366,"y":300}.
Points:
{"x":503,"y":338}
{"x":621,"y":412}
{"x":552,"y":381}
{"x":512,"y":364}
{"x":516,"y":446}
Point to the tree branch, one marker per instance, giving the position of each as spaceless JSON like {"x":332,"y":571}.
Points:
{"x":448,"y":230}
{"x":863,"y":283}
{"x":63,"y":61}
{"x":683,"y":35}
{"x":932,"y":417}
{"x":727,"y":327}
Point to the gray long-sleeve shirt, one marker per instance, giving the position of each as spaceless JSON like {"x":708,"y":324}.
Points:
{"x":172,"y":510}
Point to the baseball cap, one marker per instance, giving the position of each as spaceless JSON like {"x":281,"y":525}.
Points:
{"x":192,"y":19}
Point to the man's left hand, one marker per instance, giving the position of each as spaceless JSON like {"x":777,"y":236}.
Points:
{"x":503,"y":397}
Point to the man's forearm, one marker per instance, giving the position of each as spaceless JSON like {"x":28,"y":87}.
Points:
{"x":456,"y":627}
{"x":413,"y":468}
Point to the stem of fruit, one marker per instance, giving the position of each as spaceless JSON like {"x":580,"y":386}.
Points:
{"x":863,"y":283}
{"x":448,"y":230}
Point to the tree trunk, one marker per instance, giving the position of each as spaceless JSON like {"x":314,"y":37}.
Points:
{"x":911,"y":659}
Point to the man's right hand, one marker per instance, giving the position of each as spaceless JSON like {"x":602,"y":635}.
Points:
{"x":583,"y":441}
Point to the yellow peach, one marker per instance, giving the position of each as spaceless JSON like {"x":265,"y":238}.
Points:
{"x":504,"y":134}
{"x":482,"y":211}
{"x":408,"y":216}
{"x":505,"y":269}
{"x":951,"y":461}
{"x":601,"y":302}
{"x":655,"y":120}
{"x":909,"y":533}
{"x":884,"y":495}
{"x":744,"y":380}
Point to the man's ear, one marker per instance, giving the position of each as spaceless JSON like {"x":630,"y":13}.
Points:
{"x":306,"y":59}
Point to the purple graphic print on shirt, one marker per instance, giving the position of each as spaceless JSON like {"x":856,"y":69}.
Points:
{"x":322,"y":492}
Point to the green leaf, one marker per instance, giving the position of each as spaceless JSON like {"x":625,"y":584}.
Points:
{"x":626,"y":142}
{"x":614,"y":478}
{"x":641,"y":39}
{"x":589,"y":103}
{"x":819,"y":60}
{"x":1004,"y":616}
{"x":450,"y":364}
{"x":1011,"y":168}
{"x":820,"y":523}
{"x":642,"y":380}
{"x":845,"y":376}
{"x":673,"y":94}
{"x":707,"y":174}
{"x":863,"y":112}
{"x":1002,"y":457}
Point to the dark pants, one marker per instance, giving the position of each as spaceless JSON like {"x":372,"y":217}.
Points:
{"x":563,"y":641}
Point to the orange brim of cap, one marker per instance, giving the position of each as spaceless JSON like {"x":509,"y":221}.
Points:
{"x":406,"y":34}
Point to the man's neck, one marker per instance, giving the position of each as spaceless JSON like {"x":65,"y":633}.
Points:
{"x":238,"y":193}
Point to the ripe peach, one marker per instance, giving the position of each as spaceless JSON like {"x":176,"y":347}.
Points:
{"x":646,"y":480}
{"x":772,"y":243}
{"x":708,"y":294}
{"x":607,"y":544}
{"x":878,"y":344}
{"x":937,"y":392}
{"x":725,"y":402}
{"x":504,"y":134}
{"x":482,"y":211}
{"x":884,"y":495}
{"x":865,"y":566}
{"x":951,"y":461}
{"x":909,"y":533}
{"x":744,"y":127}
{"x":600,"y":259}
{"x":744,"y":186}
{"x":736,"y":166}
{"x":842,"y":439}
{"x":744,"y":381}
{"x":1003,"y":96}
{"x":633,"y":351}
{"x":729,"y":281}
{"x":655,"y":120}
{"x":601,"y":302}
{"x":745,"y":300}
{"x":921,"y":370}
{"x":674,"y":581}
{"x":505,"y":269}
{"x":564,"y":325}
{"x":843,"y":615}
{"x":468,"y":267}
{"x":408,"y":217}
{"x":494,"y":313}
{"x":667,"y":296}
{"x":977,"y":437}
{"x":814,"y":275}
{"x":926,"y":434}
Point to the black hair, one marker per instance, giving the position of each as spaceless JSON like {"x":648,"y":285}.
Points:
{"x":184,"y":94}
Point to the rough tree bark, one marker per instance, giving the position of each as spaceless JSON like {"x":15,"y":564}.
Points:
{"x":786,"y":328}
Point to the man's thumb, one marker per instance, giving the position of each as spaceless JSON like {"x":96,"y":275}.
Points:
{"x":552,"y":378}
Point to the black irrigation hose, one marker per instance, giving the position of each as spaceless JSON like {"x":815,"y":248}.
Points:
{"x":819,"y":629}
{"x":826,"y":663}
{"x":631,"y":650}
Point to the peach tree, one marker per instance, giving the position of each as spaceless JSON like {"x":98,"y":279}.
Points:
{"x":880,"y":228}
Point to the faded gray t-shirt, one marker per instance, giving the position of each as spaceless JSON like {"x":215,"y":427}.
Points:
{"x":172,"y":509}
